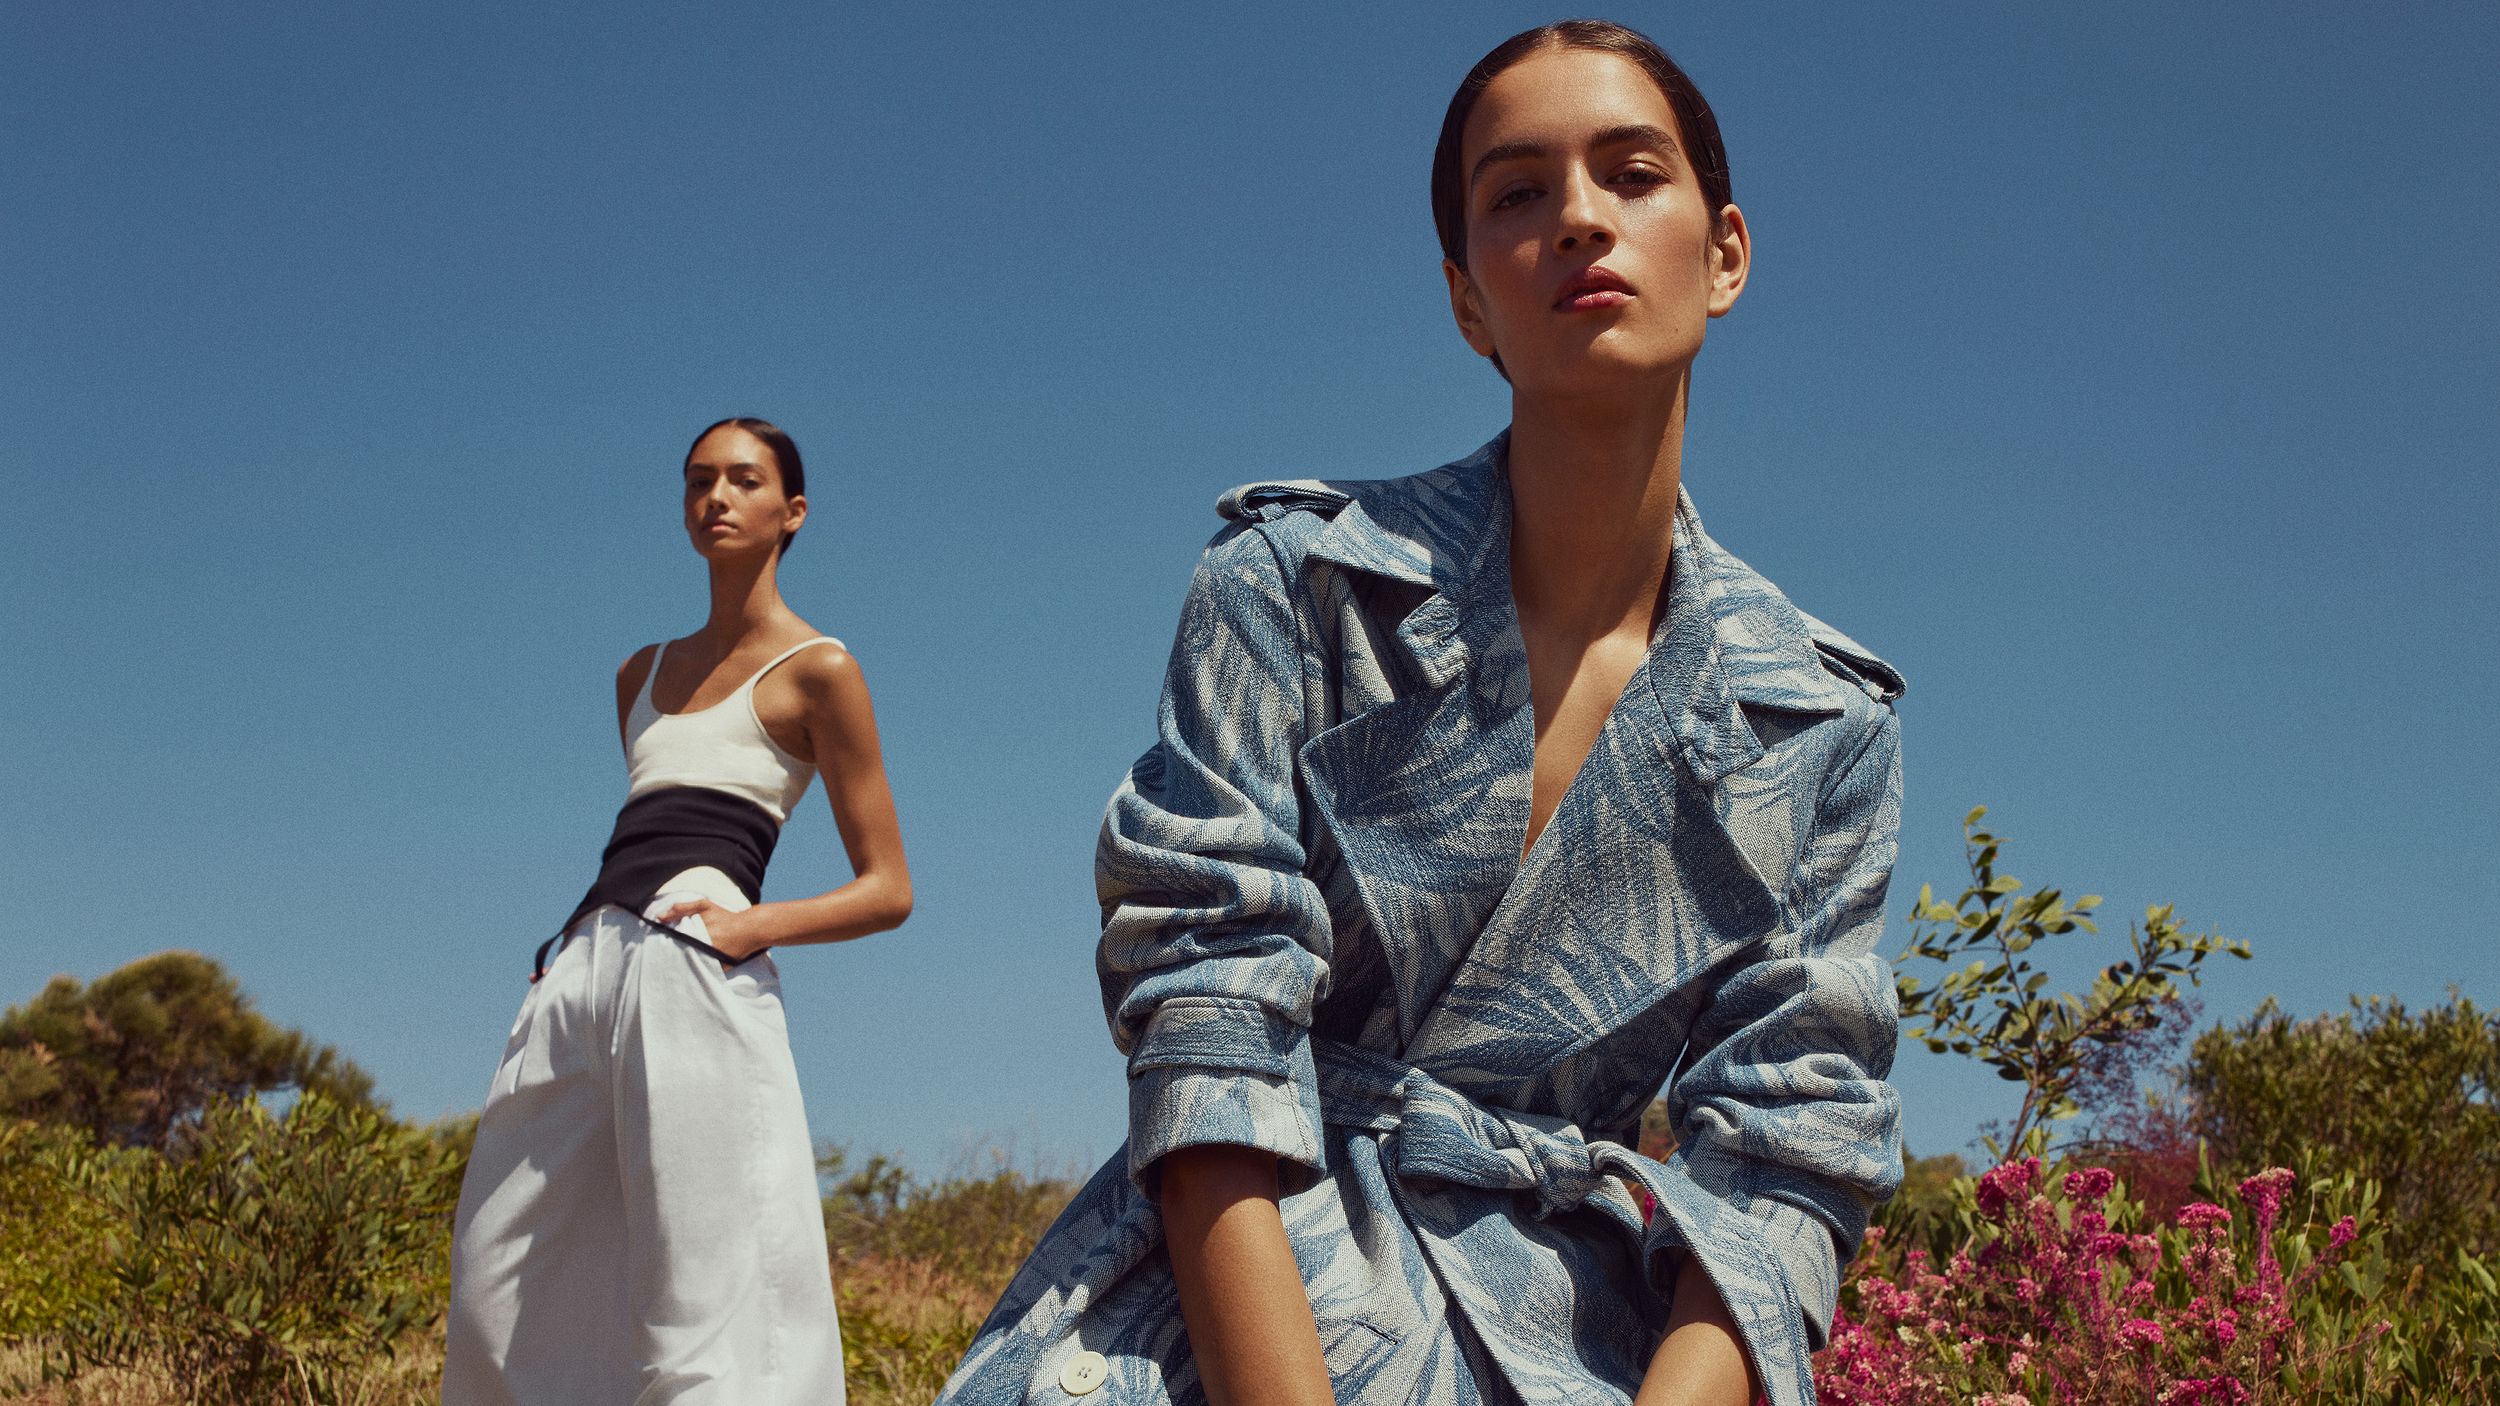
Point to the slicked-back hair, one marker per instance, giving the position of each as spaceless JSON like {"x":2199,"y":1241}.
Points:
{"x":1699,"y":126}
{"x":785,"y":457}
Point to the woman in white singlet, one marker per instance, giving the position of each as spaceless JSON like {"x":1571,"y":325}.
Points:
{"x":640,"y":1221}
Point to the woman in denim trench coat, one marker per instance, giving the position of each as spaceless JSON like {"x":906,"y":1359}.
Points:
{"x":1353,"y":929}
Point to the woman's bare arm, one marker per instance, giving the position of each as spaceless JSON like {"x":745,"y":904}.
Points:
{"x":1249,"y":1318}
{"x":1702,"y":1361}
{"x":842,"y":731}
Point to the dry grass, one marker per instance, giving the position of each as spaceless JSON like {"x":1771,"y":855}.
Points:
{"x":905,"y":1324}
{"x":917,"y":1267}
{"x":412,"y":1376}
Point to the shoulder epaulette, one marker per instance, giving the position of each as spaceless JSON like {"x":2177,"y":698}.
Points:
{"x":1269,"y":500}
{"x":1855,"y":662}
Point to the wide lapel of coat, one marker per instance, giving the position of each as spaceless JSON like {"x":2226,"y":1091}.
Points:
{"x":1667,"y":853}
{"x":1426,"y":796}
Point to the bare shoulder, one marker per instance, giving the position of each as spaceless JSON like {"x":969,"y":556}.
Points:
{"x":832,"y":695}
{"x":631,"y":674}
{"x":629,"y":678}
{"x":636,"y":668}
{"x":828,"y":671}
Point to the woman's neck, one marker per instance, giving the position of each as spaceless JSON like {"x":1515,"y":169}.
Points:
{"x":746,"y":596}
{"x":1593,"y":489}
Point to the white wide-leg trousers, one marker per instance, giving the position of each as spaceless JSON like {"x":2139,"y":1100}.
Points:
{"x":640,"y":1223}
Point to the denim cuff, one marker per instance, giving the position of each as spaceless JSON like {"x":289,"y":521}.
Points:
{"x":1219,"y":1070}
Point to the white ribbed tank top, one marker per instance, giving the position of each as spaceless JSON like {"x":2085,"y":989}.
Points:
{"x":723,"y":747}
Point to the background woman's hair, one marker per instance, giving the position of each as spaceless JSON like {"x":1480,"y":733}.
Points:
{"x":785,"y":457}
{"x":1699,"y":127}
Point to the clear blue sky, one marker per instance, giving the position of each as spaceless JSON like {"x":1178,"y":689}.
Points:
{"x":2126,"y":373}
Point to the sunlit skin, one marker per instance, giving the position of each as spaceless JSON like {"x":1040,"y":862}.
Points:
{"x":815,"y":706}
{"x":1575,"y":162}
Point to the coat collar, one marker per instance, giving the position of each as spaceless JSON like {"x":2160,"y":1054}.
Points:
{"x":1729,"y":639}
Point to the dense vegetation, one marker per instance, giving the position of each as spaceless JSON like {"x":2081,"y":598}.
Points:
{"x":137,"y":1057}
{"x":196,"y":1206}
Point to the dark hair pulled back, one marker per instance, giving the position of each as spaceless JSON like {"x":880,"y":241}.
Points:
{"x":785,"y":457}
{"x":1699,"y":127}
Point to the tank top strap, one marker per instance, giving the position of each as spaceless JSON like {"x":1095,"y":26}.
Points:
{"x":776,"y":661}
{"x":650,"y":681}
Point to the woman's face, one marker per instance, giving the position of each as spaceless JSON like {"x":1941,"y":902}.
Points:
{"x":735,"y":505}
{"x":1591,"y":262}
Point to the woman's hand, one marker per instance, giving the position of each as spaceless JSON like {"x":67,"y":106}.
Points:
{"x":739,"y":933}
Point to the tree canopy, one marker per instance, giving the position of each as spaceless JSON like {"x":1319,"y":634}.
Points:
{"x":135,"y":1056}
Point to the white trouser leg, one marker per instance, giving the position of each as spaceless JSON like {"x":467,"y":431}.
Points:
{"x":640,"y":1222}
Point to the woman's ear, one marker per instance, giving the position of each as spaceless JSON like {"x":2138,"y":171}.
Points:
{"x":794,"y":516}
{"x":1731,"y":258}
{"x":1464,"y":309}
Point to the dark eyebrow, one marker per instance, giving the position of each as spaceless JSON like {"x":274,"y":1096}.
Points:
{"x":1632,"y":134}
{"x":1638,"y":134}
{"x":1507,"y":151}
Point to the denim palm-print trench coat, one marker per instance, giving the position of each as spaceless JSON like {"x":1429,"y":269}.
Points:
{"x":1320,"y":939}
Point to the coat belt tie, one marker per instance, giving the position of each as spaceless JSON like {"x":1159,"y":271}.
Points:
{"x":1445,"y":1134}
{"x":1432,"y":1130}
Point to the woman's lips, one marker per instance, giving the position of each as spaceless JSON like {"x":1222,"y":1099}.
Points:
{"x":1593,"y":287}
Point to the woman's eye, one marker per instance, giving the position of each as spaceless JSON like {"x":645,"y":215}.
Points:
{"x":1516,"y":195}
{"x":1642,"y":176}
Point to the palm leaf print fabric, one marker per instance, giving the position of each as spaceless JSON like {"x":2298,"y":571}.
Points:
{"x":1320,"y":938}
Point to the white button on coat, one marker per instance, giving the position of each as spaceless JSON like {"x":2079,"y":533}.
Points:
{"x":1084,"y":1372}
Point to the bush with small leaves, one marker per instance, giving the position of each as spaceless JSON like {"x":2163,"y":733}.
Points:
{"x":1994,"y":1010}
{"x":54,"y":1226}
{"x":2409,"y":1098}
{"x":274,"y":1258}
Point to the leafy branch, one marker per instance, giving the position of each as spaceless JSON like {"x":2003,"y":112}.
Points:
{"x":1993,"y":1007}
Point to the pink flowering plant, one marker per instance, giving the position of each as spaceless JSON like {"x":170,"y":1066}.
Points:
{"x":2042,"y":1282}
{"x":2058,"y":1294}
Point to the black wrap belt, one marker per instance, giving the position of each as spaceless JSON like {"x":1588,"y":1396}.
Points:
{"x":662,"y":834}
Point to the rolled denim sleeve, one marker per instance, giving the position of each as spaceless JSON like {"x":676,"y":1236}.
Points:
{"x":1787,"y":1133}
{"x":1215,"y":946}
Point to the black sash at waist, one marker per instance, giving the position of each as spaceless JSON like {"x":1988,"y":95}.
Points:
{"x":661,"y":834}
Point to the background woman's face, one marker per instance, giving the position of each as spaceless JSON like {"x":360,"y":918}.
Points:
{"x":735,"y":504}
{"x":1590,"y":257}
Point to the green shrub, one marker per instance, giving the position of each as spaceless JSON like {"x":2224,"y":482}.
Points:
{"x":55,"y":1230}
{"x":1931,"y":1209}
{"x":273,"y":1258}
{"x":2403,"y":1099}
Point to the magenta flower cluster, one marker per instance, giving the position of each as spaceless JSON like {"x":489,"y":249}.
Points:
{"x":2049,"y":1305}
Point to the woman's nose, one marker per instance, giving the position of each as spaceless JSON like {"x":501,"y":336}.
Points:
{"x":1583,"y":217}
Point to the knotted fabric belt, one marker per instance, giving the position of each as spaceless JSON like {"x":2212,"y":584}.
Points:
{"x":1431,"y":1130}
{"x":1445,"y":1134}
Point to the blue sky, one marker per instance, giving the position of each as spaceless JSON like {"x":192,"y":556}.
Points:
{"x":2126,"y":374}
